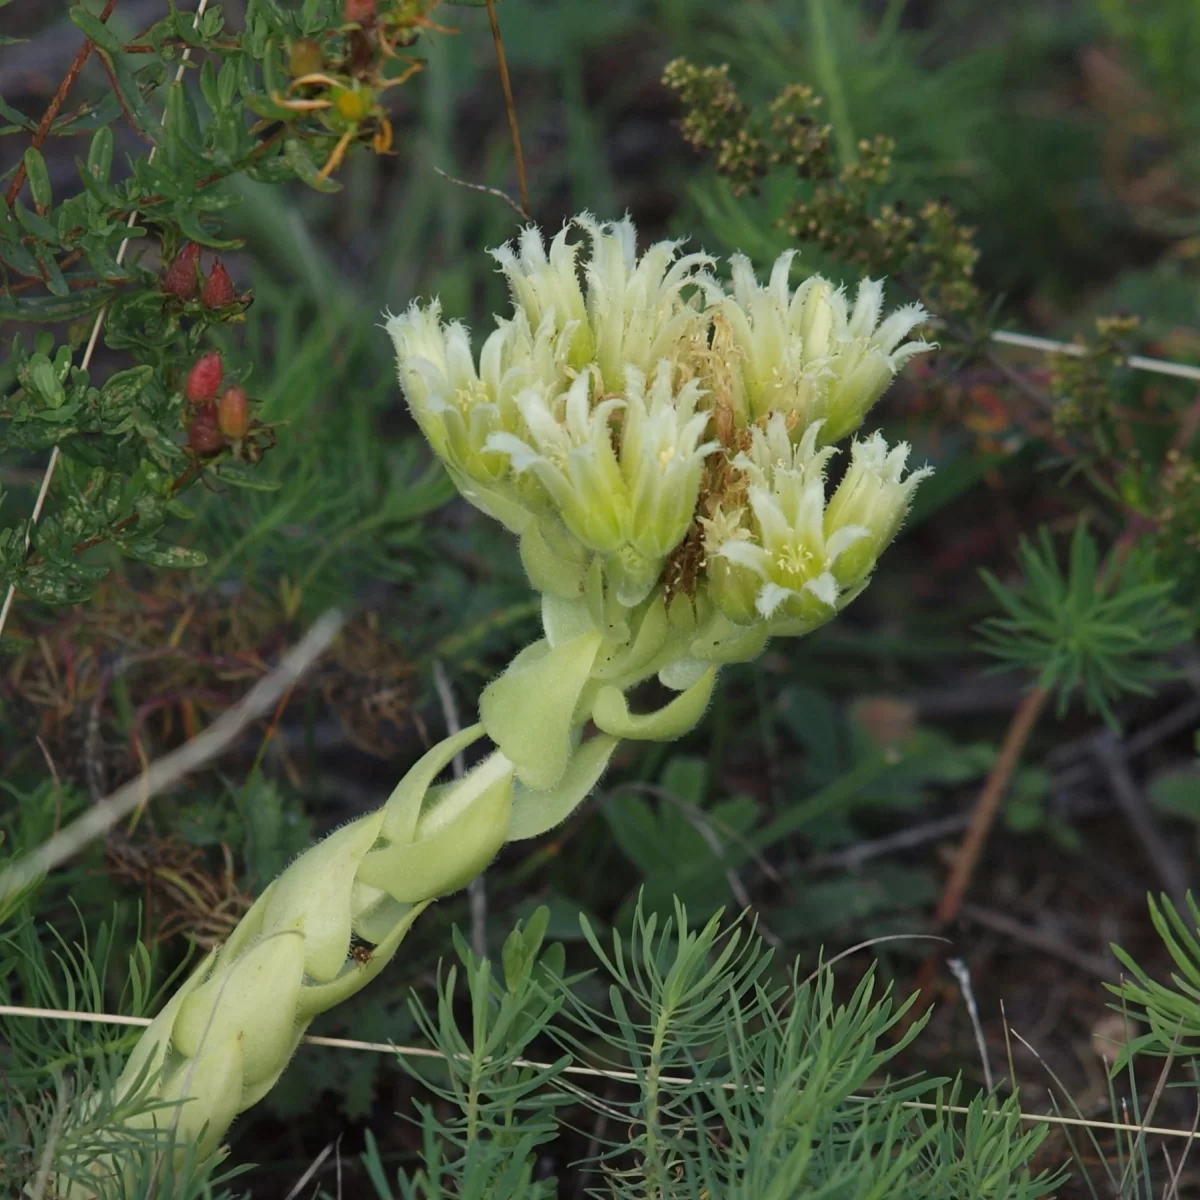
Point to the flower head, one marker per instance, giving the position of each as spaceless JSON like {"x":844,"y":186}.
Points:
{"x":806,"y":352}
{"x":628,"y":311}
{"x":801,"y":557}
{"x":632,"y":416}
{"x":623,"y":472}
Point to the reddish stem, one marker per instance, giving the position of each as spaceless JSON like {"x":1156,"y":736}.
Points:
{"x":43,"y":129}
{"x":1022,"y":725}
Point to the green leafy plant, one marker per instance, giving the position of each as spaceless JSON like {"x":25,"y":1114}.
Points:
{"x":725,"y":1080}
{"x":1101,"y":630}
{"x":675,"y":1016}
{"x":1171,"y":1012}
{"x":125,"y":450}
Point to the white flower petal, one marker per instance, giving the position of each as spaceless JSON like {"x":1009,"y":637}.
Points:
{"x":824,"y":587}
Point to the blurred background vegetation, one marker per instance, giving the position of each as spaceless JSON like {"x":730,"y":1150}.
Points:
{"x":831,"y":780}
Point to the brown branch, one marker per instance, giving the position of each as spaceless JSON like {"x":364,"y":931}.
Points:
{"x":116,"y":87}
{"x":33,"y":281}
{"x":145,"y":202}
{"x":104,"y":537}
{"x":510,"y":107}
{"x":1134,"y":805}
{"x":1038,"y":939}
{"x":137,"y":46}
{"x":1023,"y":722}
{"x":1022,"y":725}
{"x":43,"y":129}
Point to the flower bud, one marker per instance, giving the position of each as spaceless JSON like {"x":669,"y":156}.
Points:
{"x":816,"y":318}
{"x":873,"y":496}
{"x":233,"y":413}
{"x":204,"y":379}
{"x":181,"y":278}
{"x":352,"y":104}
{"x":304,"y":58}
{"x":662,"y":457}
{"x":204,"y":433}
{"x":732,"y":588}
{"x":257,"y":996}
{"x":805,"y":353}
{"x":218,"y":288}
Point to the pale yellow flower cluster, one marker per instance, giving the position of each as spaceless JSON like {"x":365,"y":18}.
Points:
{"x":632,"y":407}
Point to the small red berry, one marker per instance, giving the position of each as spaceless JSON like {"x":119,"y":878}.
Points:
{"x":204,"y":379}
{"x":218,"y":288}
{"x":233,"y":413}
{"x":204,"y":434}
{"x":181,"y":279}
{"x":359,"y":11}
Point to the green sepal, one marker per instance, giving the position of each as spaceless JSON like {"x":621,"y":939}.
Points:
{"x":375,"y":912}
{"x":555,"y":562}
{"x":247,"y":929}
{"x":252,"y":1093}
{"x":533,"y":813}
{"x":687,"y":615}
{"x":453,"y":852}
{"x":721,"y":641}
{"x":246,"y":1001}
{"x":564,"y":619}
{"x":313,"y":895}
{"x":403,"y":806}
{"x":210,"y":1087}
{"x":611,"y":713}
{"x":355,"y":975}
{"x":801,"y":626}
{"x":529,"y":711}
{"x":630,"y":662}
{"x":150,"y":1054}
{"x":680,"y":673}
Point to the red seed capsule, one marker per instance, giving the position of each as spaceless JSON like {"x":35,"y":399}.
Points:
{"x":204,"y":379}
{"x":233,"y":413}
{"x":180,"y":279}
{"x":359,"y":11}
{"x":204,"y":434}
{"x":218,"y":288}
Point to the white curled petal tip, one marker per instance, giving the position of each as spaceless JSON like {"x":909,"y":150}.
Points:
{"x":867,"y":306}
{"x":824,"y":587}
{"x":520,"y":455}
{"x":896,"y":327}
{"x":842,"y":539}
{"x":744,"y":553}
{"x":771,"y":598}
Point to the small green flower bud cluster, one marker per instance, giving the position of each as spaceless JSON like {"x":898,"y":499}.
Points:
{"x":841,"y":211}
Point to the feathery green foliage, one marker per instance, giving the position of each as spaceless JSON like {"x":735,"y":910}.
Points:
{"x":1103,"y":630}
{"x":725,"y":1083}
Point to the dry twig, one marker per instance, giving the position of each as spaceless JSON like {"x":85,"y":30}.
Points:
{"x":172,"y":768}
{"x":984,"y":815}
{"x":509,"y":106}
